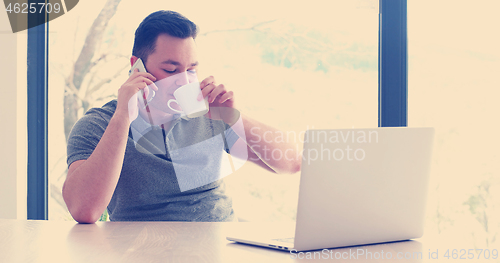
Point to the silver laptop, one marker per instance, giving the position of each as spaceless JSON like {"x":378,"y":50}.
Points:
{"x":357,"y":186}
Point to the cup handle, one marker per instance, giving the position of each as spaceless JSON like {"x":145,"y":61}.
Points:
{"x":168,"y":104}
{"x":140,"y":98}
{"x":152,"y":96}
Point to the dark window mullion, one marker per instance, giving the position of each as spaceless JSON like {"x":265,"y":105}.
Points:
{"x":37,"y":66}
{"x":393,"y":63}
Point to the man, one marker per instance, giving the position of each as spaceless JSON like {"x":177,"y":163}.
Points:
{"x":111,"y":167}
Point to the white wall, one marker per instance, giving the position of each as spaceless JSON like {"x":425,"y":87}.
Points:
{"x":13,"y":119}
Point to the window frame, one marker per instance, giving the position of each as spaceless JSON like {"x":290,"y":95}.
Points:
{"x":37,"y":80}
{"x":393,"y":64}
{"x":392,"y":86}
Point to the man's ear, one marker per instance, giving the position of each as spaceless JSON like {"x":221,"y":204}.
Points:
{"x":133,"y":59}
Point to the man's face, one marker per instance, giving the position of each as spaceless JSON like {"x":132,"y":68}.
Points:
{"x":174,"y":64}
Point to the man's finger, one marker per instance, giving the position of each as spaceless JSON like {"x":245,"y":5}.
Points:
{"x":144,"y":80}
{"x":137,"y":74}
{"x":206,"y":82}
{"x":208,"y":89}
{"x":227,"y":96}
{"x":216,"y":92}
{"x":153,"y":86}
{"x":200,"y":96}
{"x":148,"y":82}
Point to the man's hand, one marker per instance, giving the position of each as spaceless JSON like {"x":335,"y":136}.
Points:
{"x":221,"y":101}
{"x":127,"y":94}
{"x":250,"y":145}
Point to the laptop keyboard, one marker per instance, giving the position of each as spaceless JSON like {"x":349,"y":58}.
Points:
{"x":286,"y":240}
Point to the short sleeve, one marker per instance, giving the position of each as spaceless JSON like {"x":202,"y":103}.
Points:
{"x":84,"y":137}
{"x":231,"y":137}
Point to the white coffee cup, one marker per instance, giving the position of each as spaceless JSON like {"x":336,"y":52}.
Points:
{"x":187,"y":98}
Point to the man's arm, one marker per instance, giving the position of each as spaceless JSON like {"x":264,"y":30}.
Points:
{"x":259,"y":144}
{"x":90,"y":183}
{"x":257,"y":140}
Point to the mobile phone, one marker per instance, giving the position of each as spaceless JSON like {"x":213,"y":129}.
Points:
{"x":137,"y":65}
{"x":140,"y":66}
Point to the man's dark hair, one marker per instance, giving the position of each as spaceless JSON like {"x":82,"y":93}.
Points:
{"x":161,"y":22}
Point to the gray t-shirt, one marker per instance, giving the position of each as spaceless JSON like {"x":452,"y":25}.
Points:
{"x":173,"y":175}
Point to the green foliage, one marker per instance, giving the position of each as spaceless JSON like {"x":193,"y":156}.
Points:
{"x":104,"y":216}
{"x":480,"y":207}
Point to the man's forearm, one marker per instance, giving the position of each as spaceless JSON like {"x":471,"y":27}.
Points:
{"x":89,"y":188}
{"x":281,"y":156}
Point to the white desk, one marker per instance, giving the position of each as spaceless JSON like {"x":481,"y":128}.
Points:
{"x":62,"y":241}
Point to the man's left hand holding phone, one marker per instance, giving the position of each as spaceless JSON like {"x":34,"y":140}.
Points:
{"x":140,"y":83}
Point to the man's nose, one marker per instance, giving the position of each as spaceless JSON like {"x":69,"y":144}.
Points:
{"x":182,"y":79}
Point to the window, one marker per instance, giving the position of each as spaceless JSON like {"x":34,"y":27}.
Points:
{"x":453,"y":86}
{"x":291,"y":66}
